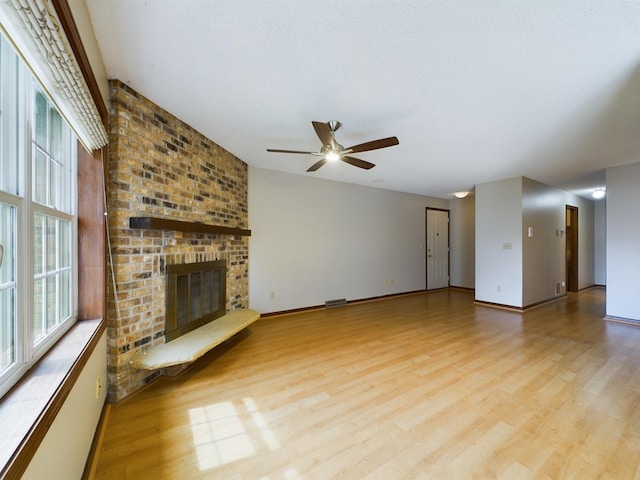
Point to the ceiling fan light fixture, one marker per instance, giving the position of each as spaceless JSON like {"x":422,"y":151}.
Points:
{"x":332,"y":151}
{"x":332,"y":156}
{"x":598,"y":193}
{"x":460,"y":194}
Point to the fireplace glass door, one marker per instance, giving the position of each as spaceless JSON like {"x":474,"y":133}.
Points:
{"x":196,"y":294}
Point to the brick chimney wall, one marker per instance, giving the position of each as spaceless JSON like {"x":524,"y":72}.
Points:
{"x":159,"y":166}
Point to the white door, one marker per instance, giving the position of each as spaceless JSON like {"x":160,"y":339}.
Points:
{"x":437,"y":249}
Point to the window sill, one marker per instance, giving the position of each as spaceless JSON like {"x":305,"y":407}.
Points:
{"x":28,"y":410}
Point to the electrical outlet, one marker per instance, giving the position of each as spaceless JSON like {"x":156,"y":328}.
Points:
{"x":98,"y":387}
{"x":273,"y":295}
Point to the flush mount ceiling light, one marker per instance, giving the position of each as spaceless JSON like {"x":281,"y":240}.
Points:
{"x":460,"y":194}
{"x":598,"y":193}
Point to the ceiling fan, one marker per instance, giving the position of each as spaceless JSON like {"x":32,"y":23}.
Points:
{"x":332,"y":151}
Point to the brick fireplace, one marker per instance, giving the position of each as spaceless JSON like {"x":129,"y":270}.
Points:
{"x":160,"y":167}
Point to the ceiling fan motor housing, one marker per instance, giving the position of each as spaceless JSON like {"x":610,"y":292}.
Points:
{"x":334,"y":125}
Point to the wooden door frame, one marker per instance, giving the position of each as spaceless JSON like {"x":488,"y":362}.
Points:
{"x":571,"y":245}
{"x":426,"y":242}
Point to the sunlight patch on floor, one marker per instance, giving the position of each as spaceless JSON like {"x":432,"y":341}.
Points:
{"x":261,"y":424}
{"x":220,"y":435}
{"x":292,"y":474}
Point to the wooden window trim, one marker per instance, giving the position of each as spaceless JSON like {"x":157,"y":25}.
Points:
{"x":80,"y":342}
{"x":73,"y":35}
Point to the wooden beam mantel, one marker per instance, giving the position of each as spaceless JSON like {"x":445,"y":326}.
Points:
{"x":157,"y":223}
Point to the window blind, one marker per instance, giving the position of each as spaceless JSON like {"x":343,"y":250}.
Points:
{"x":35,"y":31}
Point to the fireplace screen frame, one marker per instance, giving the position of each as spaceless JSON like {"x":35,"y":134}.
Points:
{"x":189,"y":276}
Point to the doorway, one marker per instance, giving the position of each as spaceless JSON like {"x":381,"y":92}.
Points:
{"x":437,"y":225}
{"x":571,"y":246}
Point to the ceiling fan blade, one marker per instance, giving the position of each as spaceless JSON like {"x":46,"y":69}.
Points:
{"x":316,"y":165}
{"x":287,"y":151}
{"x":356,"y":162}
{"x":374,"y":145}
{"x":324,"y":133}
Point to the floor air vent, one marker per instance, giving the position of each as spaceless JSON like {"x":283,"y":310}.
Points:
{"x":341,"y":302}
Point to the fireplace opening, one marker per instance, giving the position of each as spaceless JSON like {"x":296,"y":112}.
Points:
{"x":195,"y":295}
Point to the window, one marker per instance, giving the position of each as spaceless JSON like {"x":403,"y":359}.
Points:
{"x":37,"y":221}
{"x":8,"y":289}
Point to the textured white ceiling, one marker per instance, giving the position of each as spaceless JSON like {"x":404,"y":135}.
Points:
{"x":475,"y":91}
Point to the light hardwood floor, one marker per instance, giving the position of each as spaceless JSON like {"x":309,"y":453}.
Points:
{"x":419,"y":386}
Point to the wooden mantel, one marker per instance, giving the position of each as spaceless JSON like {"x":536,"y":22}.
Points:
{"x":157,"y":223}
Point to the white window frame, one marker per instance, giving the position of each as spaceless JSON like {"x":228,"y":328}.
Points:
{"x":13,"y":373}
{"x":29,"y":352}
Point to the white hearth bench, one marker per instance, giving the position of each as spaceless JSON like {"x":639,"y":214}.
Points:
{"x":191,"y":346}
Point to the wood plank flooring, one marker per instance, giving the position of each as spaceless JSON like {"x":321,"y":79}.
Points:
{"x":419,"y":386}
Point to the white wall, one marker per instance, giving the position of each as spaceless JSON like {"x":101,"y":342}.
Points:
{"x":586,"y":239}
{"x":600,"y":242}
{"x":498,"y":225}
{"x":623,"y":241}
{"x":64,"y":450}
{"x":528,"y":272}
{"x":314,"y":240}
{"x":462,"y":241}
{"x":543,"y":210}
